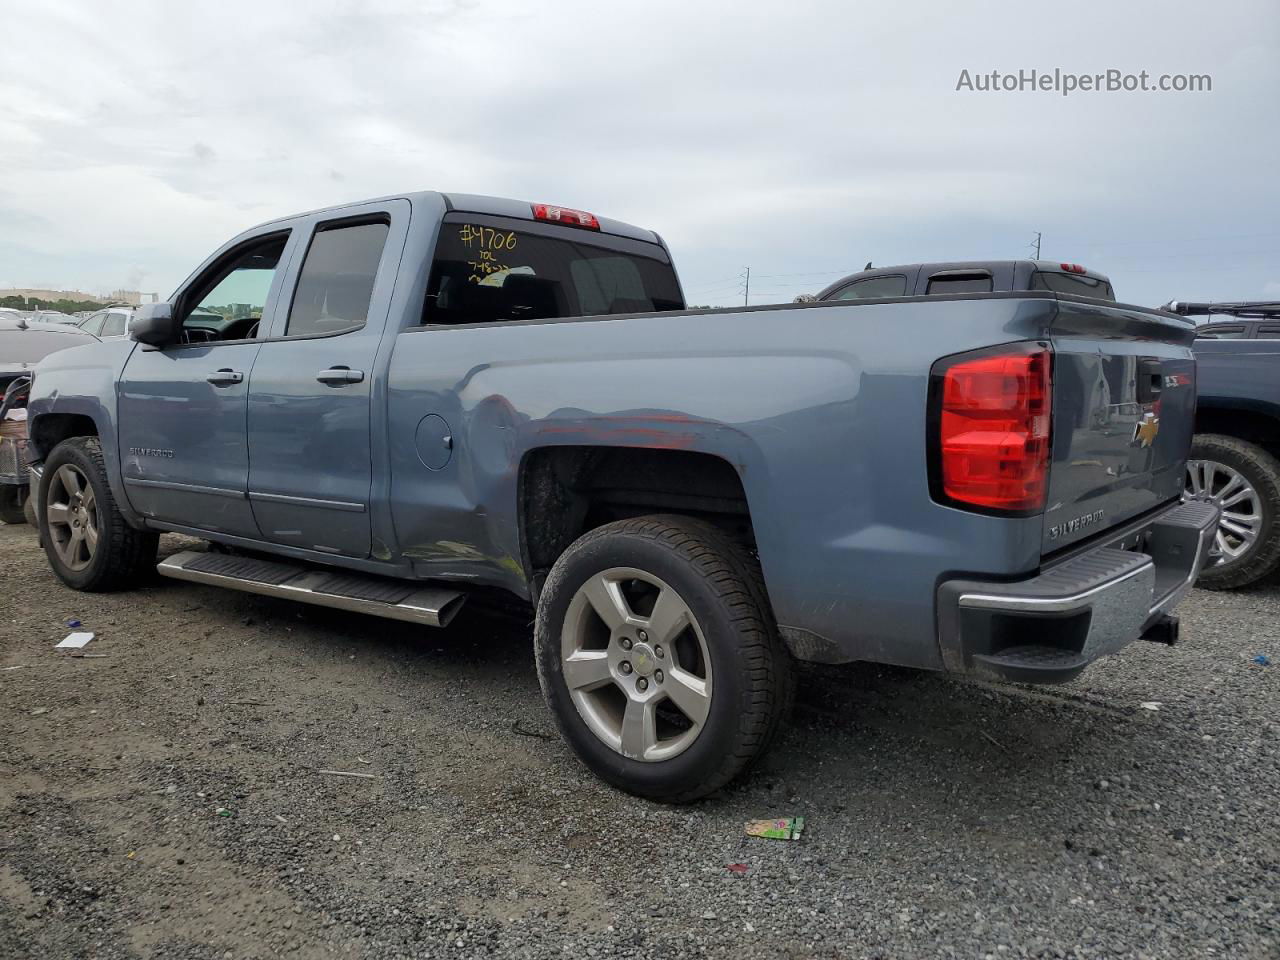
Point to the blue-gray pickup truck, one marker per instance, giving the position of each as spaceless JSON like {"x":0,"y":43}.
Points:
{"x":392,"y":406}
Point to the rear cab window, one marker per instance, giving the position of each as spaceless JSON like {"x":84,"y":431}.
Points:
{"x":1078,"y":284}
{"x":1222,"y":331}
{"x":490,"y":268}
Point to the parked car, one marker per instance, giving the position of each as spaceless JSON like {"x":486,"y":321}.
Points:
{"x":108,"y":323}
{"x":22,"y":345}
{"x":969,"y":276}
{"x":1235,"y":457}
{"x":417,"y":399}
{"x":53,"y":316}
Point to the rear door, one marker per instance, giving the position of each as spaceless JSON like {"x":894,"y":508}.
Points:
{"x":1124,"y":395}
{"x":310,"y":456}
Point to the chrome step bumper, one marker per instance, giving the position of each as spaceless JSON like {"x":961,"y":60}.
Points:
{"x":1050,"y":627}
{"x":379,"y":596}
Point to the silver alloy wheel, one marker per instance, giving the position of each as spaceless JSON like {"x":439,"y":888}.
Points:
{"x":1241,"y":518}
{"x":72,"y":512}
{"x":636,"y":664}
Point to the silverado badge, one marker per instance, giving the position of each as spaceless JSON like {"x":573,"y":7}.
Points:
{"x":1145,"y":430}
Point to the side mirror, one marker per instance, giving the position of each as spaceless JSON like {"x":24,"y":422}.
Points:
{"x":154,"y":324}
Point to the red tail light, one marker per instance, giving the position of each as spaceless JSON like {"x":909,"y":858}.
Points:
{"x":992,"y":412}
{"x":572,"y":218}
{"x":1072,"y":268}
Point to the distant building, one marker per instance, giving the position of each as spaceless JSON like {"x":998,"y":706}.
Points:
{"x":134,"y":297}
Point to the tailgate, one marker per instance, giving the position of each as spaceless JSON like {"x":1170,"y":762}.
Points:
{"x":1124,"y":397}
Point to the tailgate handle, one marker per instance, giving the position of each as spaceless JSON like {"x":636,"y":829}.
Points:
{"x":1150,"y":380}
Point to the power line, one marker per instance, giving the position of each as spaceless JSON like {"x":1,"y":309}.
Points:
{"x":1036,"y":243}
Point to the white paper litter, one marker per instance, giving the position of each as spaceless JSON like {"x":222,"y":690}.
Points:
{"x":74,"y":641}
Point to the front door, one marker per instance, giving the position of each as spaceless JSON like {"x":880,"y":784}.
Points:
{"x":182,"y":408}
{"x":310,"y":460}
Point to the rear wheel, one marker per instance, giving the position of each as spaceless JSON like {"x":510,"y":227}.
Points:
{"x":88,"y":543}
{"x":659,"y":658}
{"x":1243,"y":480}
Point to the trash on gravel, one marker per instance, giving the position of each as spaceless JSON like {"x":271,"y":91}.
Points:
{"x":39,"y":710}
{"x":223,"y":812}
{"x":349,"y":773}
{"x":1262,"y":660}
{"x":737,"y":868}
{"x":779,"y":828}
{"x":1150,"y":705}
{"x":74,"y":641}
{"x":73,"y":624}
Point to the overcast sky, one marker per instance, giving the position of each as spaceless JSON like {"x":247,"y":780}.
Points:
{"x":802,"y":139}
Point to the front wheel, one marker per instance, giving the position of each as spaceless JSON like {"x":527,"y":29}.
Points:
{"x":88,"y":543}
{"x":658,"y":655}
{"x":1243,"y":480}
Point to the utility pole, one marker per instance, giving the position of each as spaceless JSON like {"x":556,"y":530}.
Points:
{"x":1037,"y":244}
{"x":746,"y":288}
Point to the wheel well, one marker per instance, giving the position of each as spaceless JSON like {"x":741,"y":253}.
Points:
{"x":566,"y":491}
{"x":1258,"y":428}
{"x":51,"y":429}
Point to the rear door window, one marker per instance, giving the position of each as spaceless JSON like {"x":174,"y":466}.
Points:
{"x":115,"y":324}
{"x":890,"y":286}
{"x":92,"y":324}
{"x":492,"y":268}
{"x":1078,"y":284}
{"x":1269,"y":331}
{"x":959,"y":283}
{"x":336,"y":282}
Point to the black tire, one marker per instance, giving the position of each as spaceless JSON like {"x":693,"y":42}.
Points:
{"x":29,"y":510}
{"x":124,"y":557}
{"x":1262,"y":471}
{"x":753,"y":673}
{"x":12,"y":499}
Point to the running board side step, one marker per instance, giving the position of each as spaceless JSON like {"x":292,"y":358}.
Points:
{"x":379,"y":596}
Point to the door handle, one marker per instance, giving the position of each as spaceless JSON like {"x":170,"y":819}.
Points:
{"x":225,"y":377}
{"x":336,"y":376}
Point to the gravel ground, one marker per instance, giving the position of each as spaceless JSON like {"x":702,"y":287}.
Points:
{"x":165,"y":799}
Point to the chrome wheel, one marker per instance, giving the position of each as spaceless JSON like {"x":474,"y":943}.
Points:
{"x":1241,"y":518}
{"x":636,"y":664}
{"x":72,"y":514}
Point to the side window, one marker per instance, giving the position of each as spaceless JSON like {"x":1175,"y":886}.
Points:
{"x":92,"y":323}
{"x":1269,"y":331}
{"x":336,"y":282}
{"x":227,"y":303}
{"x":115,"y":324}
{"x":959,"y":283}
{"x":1221,"y":331}
{"x":892,"y":286}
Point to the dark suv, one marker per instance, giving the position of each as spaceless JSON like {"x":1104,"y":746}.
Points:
{"x":969,"y":276}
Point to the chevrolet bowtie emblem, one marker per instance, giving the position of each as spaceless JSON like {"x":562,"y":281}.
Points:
{"x":1145,"y":430}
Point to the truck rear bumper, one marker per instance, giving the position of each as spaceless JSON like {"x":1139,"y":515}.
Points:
{"x":1049,"y":628}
